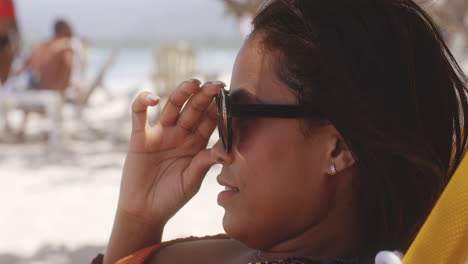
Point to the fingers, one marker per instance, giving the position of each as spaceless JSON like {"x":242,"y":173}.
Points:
{"x":198,"y":104}
{"x":139,"y":107}
{"x":208,"y":122}
{"x":171,"y":111}
{"x":193,"y":175}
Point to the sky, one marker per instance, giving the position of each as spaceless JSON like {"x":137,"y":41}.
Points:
{"x":128,"y":19}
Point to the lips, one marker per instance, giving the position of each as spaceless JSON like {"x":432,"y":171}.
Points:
{"x":227,"y":186}
{"x":229,"y":194}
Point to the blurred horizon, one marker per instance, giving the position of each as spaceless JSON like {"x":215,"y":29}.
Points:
{"x":131,"y":23}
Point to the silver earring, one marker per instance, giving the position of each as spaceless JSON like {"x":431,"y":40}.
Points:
{"x":333,"y":169}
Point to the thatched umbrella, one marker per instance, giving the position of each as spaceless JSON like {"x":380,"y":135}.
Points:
{"x":243,"y":7}
{"x":452,"y":15}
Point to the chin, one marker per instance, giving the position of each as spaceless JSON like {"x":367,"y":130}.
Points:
{"x":246,"y":233}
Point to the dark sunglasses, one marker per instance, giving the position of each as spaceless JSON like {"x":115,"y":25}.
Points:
{"x":226,"y":110}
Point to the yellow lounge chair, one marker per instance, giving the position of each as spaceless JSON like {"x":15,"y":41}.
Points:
{"x":443,"y":239}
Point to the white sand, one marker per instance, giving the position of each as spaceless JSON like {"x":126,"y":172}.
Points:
{"x":69,"y":200}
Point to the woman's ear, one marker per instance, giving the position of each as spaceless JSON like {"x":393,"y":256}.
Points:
{"x":341,"y":157}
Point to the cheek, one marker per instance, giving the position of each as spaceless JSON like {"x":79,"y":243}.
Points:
{"x":288,"y":172}
{"x":275,"y":149}
{"x":282,"y":185}
{"x":243,"y":133}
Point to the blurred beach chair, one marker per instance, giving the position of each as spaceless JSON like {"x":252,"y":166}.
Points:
{"x":443,"y":239}
{"x":174,"y":63}
{"x":80,"y":102}
{"x":48,"y":103}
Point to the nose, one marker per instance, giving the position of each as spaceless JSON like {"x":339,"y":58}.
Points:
{"x":220,"y":155}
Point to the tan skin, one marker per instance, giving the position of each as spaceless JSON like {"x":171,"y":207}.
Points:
{"x":287,"y":202}
{"x":53,"y":59}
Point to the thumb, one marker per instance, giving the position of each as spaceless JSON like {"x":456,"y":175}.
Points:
{"x":194,"y":174}
{"x":139,"y":107}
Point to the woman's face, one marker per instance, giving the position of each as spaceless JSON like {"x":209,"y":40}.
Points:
{"x":279,"y":172}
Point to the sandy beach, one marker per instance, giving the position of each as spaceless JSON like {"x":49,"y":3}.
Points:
{"x":58,"y":205}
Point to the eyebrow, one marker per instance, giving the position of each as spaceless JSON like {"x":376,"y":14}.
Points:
{"x":241,"y":95}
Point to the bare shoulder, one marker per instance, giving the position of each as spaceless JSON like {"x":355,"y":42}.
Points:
{"x":204,"y":251}
{"x":39,"y":49}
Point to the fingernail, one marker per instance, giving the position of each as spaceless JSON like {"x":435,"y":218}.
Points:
{"x":207,"y":83}
{"x":218,"y":83}
{"x":194,"y":80}
{"x":153,"y":97}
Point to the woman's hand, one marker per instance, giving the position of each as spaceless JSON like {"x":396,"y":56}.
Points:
{"x":167,"y":162}
{"x":165,"y":165}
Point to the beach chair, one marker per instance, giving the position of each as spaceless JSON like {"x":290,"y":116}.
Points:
{"x":80,"y":103}
{"x":47,"y":103}
{"x":51,"y":104}
{"x":83,"y":100}
{"x":174,"y":63}
{"x":443,"y":239}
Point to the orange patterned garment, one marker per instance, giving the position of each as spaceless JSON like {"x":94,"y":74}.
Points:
{"x":144,"y":255}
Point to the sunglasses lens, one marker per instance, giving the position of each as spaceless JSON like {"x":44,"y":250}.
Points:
{"x":222,"y":119}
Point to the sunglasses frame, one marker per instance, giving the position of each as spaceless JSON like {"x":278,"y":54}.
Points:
{"x":228,"y":109}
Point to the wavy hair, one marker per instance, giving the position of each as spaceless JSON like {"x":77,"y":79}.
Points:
{"x":380,"y":72}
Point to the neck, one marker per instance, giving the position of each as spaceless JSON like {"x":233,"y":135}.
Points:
{"x":339,"y":234}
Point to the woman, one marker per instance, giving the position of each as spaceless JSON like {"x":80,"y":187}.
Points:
{"x":348,"y":119}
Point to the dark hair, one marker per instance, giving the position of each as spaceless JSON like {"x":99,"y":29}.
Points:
{"x":60,"y":25}
{"x":379,"y":71}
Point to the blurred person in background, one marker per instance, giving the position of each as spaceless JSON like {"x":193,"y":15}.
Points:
{"x":49,"y":67}
{"x":50,"y":70}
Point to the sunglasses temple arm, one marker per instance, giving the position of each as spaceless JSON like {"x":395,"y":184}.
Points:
{"x":267,"y":111}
